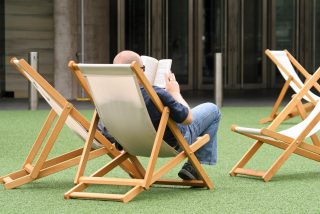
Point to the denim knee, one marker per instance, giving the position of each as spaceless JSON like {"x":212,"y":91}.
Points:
{"x":215,"y":111}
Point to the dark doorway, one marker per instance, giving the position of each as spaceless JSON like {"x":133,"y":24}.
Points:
{"x":2,"y":52}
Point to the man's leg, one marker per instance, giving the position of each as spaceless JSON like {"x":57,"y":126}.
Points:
{"x":205,"y":120}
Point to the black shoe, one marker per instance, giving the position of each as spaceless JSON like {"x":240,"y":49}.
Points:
{"x":188,"y":172}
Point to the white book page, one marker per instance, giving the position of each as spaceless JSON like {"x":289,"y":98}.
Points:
{"x":164,"y":67}
{"x":151,"y":65}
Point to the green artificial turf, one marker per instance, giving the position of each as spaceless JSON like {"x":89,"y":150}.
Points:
{"x":294,"y":189}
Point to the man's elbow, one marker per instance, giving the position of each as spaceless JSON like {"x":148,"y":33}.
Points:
{"x":188,"y":120}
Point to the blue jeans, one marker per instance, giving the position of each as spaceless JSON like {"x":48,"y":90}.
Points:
{"x":205,"y":120}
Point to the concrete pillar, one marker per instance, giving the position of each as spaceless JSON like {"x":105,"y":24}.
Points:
{"x":157,"y":40}
{"x":96,"y":24}
{"x":66,"y":45}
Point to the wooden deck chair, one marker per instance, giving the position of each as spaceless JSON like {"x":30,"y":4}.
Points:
{"x":291,"y":140}
{"x":120,"y":105}
{"x":286,"y":64}
{"x":34,"y":168}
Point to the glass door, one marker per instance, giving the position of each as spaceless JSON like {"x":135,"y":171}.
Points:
{"x":129,"y":26}
{"x":246,"y":40}
{"x":2,"y":53}
{"x":253,"y":42}
{"x":210,"y":37}
{"x":137,"y":26}
{"x":169,"y":35}
{"x":178,"y":34}
{"x":283,"y":33}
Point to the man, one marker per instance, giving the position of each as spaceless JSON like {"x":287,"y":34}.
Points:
{"x":200,"y":120}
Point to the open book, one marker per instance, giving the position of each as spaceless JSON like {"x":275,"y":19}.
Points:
{"x":156,"y":70}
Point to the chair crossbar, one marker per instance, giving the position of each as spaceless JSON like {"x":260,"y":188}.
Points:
{"x":111,"y":181}
{"x":250,"y":172}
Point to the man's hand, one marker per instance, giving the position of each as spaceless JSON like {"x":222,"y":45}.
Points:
{"x":172,"y":85}
{"x":173,"y":89}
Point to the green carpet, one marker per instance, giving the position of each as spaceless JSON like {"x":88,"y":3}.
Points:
{"x":294,"y":188}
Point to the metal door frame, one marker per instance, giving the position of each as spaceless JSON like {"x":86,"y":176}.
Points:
{"x":264,"y":45}
{"x":199,"y":31}
{"x":158,"y":32}
{"x":234,"y":53}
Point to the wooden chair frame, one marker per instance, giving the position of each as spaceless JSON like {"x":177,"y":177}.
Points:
{"x":295,"y":112}
{"x":289,"y":145}
{"x":148,"y":176}
{"x":77,"y":73}
{"x":33,"y":168}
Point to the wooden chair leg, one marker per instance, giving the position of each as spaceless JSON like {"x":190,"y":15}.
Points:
{"x":280,"y":161}
{"x":192,"y":158}
{"x":43,"y":133}
{"x":87,"y":146}
{"x":244,"y":160}
{"x":156,"y":147}
{"x":138,"y":166}
{"x":51,"y":140}
{"x":278,"y":102}
{"x":303,"y":114}
{"x":178,"y":159}
{"x":96,"y":178}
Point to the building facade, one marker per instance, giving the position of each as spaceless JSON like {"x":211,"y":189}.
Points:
{"x":190,"y":32}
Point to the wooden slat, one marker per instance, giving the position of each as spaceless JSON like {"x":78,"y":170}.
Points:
{"x":132,"y":193}
{"x":250,"y":172}
{"x":111,"y":181}
{"x":15,"y":175}
{"x":117,"y":197}
{"x":18,"y":182}
{"x":28,"y":167}
{"x":7,"y":180}
{"x":76,"y":188}
{"x":69,"y":163}
{"x":65,"y":157}
{"x":180,"y":182}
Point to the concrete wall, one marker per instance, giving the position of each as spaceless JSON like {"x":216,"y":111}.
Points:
{"x":67,"y":23}
{"x":52,"y":28}
{"x":28,"y":27}
{"x":66,"y":46}
{"x":97,"y":31}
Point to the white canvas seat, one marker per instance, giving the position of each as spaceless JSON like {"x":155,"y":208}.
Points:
{"x":65,"y":113}
{"x":123,"y":107}
{"x":119,"y":103}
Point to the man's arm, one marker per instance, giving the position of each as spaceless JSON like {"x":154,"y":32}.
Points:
{"x":173,"y":89}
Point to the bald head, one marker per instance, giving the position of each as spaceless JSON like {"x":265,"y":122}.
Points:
{"x":127,"y":57}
